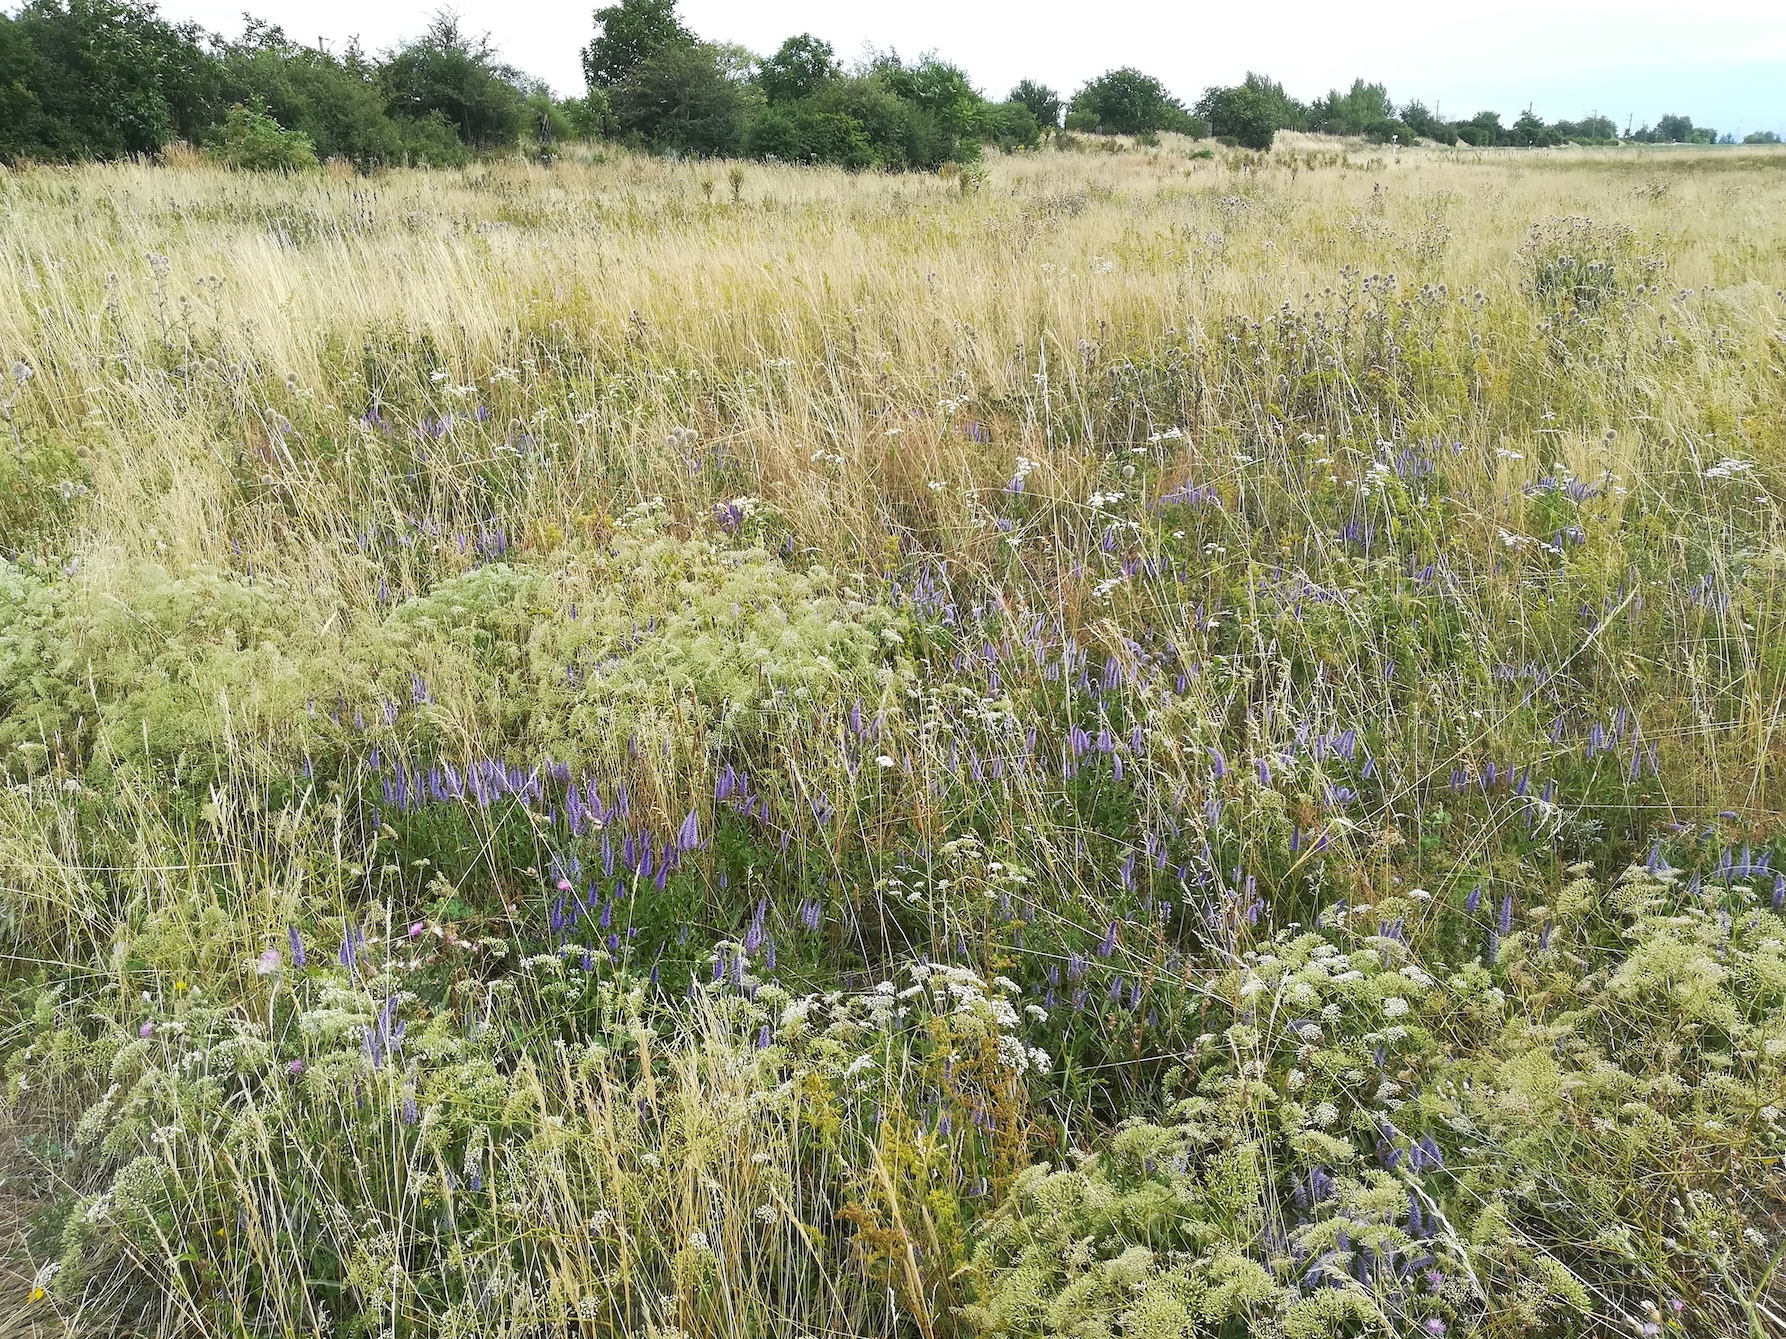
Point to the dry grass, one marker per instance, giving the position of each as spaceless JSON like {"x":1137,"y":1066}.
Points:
{"x":316,"y":398}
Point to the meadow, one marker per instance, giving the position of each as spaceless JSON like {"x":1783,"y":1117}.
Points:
{"x":1122,"y":741}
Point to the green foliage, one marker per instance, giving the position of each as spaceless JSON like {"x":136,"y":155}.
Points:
{"x":1426,"y":125}
{"x":1390,"y":132}
{"x":1483,"y":130}
{"x":590,"y":116}
{"x":97,"y":79}
{"x":336,"y":102}
{"x":801,"y":133}
{"x":1011,"y":126}
{"x":1529,"y":131}
{"x":180,"y":664}
{"x":1589,"y":130}
{"x":901,"y":135}
{"x":800,"y":68}
{"x":250,"y":140}
{"x":1761,"y":137}
{"x":1242,"y":114}
{"x":1127,"y":102}
{"x":940,"y":95}
{"x":452,"y":75}
{"x":680,"y":101}
{"x":1043,"y":102}
{"x":1673,"y":129}
{"x":628,"y":35}
{"x":1284,"y":111}
{"x":1348,"y":113}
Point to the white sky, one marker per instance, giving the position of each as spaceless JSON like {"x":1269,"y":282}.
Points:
{"x":1723,"y":62}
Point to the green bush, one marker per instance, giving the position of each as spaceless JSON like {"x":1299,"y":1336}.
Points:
{"x":449,"y":73}
{"x":680,"y":101}
{"x":801,"y":133}
{"x":1240,"y":113}
{"x":1126,"y":102}
{"x":1012,"y":126}
{"x":250,"y":140}
{"x":429,"y":141}
{"x":1043,"y":102}
{"x":1390,"y":132}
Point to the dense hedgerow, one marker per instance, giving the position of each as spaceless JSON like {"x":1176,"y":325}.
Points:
{"x":1155,"y":746}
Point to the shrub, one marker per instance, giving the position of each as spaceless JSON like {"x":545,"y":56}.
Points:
{"x":1126,"y":102}
{"x":1011,"y":126}
{"x":1390,"y":132}
{"x":680,"y":100}
{"x":1427,"y":126}
{"x":429,"y":141}
{"x":1240,"y":113}
{"x":1043,"y":102}
{"x":591,"y":116}
{"x":449,"y":73}
{"x":250,"y":140}
{"x":901,"y":135}
{"x":798,"y":133}
{"x":337,"y":101}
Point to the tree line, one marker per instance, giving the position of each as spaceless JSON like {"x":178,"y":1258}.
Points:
{"x":97,"y":79}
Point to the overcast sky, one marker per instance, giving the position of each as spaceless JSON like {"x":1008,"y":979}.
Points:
{"x":1722,"y":62}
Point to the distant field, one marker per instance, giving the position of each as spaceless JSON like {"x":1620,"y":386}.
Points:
{"x":1114,"y":744}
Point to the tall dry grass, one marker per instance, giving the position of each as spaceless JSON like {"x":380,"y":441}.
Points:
{"x":254,"y":419}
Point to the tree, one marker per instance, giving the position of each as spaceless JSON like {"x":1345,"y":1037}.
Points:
{"x":99,"y":78}
{"x":447,"y":73}
{"x":1674,"y":129}
{"x":1350,"y":112}
{"x":1427,"y":125}
{"x":1761,"y":137}
{"x":1043,"y":102}
{"x":336,"y":102}
{"x":1531,"y":132}
{"x":680,"y":100}
{"x":627,"y":35}
{"x":1239,"y":113}
{"x":1127,"y":102}
{"x":1483,"y":130}
{"x":1595,"y":129}
{"x":1286,"y":112}
{"x":901,"y":135}
{"x":799,"y":68}
{"x":937,"y":87}
{"x":591,"y":116}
